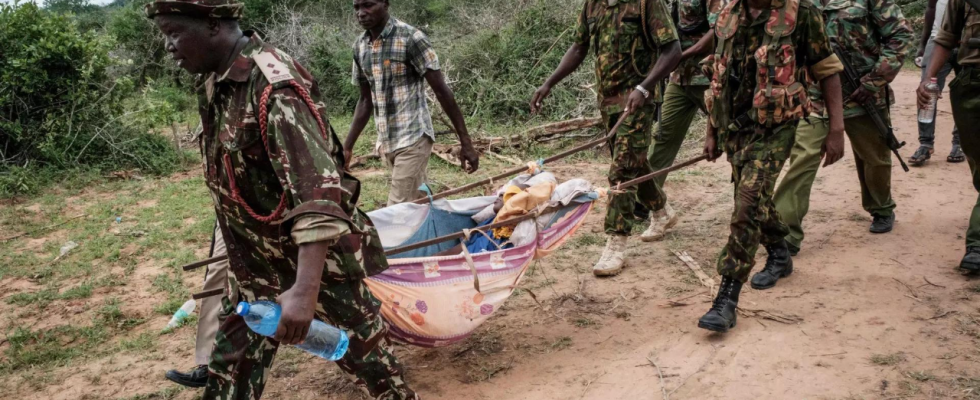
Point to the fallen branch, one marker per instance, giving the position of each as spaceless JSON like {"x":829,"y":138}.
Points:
{"x":679,"y":302}
{"x":509,"y":160}
{"x":788,"y":319}
{"x":22,"y":234}
{"x":828,"y":355}
{"x":911,"y":291}
{"x":933,"y":284}
{"x":942,"y":315}
{"x":663,"y":387}
{"x":589,"y":383}
{"x":447,"y":153}
{"x":706,"y":280}
{"x":358,"y":161}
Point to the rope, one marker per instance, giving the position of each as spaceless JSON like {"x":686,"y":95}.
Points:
{"x":263,"y":130}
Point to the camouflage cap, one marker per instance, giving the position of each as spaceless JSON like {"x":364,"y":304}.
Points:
{"x":225,"y":9}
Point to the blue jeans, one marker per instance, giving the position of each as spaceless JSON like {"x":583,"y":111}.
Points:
{"x":927,"y":132}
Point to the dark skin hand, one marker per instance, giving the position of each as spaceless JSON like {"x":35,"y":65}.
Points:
{"x":569,"y":63}
{"x":300,"y":301}
{"x":939,"y":56}
{"x":373,"y":15}
{"x":833,"y":146}
{"x":670,"y":56}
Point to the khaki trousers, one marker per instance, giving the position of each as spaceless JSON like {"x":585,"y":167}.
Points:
{"x":216,"y":277}
{"x":408,"y":170}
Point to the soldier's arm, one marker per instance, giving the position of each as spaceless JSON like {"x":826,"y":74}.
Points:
{"x":825,"y":68}
{"x":572,"y":59}
{"x":702,"y":48}
{"x":951,"y":28}
{"x":896,"y":36}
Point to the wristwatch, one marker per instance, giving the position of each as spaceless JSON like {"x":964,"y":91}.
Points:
{"x":646,"y":93}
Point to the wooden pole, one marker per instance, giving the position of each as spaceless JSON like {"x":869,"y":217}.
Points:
{"x":517,"y":170}
{"x":510,"y":222}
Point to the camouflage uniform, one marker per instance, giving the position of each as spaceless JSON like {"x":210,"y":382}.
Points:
{"x":684,"y":95}
{"x":755,"y":109}
{"x":624,"y":56}
{"x":960,"y":24}
{"x":876,"y":36}
{"x":247,"y":172}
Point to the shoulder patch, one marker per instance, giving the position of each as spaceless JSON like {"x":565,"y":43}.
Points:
{"x":275,"y":71}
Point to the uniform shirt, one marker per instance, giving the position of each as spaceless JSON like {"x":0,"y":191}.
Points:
{"x":613,"y":30}
{"x":694,"y":19}
{"x":875,"y":37}
{"x":961,"y":23}
{"x":320,"y":200}
{"x":812,"y":51}
{"x":394,"y":64}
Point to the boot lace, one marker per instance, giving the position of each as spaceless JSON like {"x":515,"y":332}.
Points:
{"x":722,"y":298}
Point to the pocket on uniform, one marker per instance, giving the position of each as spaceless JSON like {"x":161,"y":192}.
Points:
{"x":238,"y":138}
{"x":784,"y":70}
{"x":629,"y":34}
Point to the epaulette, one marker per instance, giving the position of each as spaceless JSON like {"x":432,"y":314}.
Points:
{"x":275,"y":70}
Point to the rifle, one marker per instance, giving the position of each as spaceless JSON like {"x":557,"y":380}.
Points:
{"x":885,"y":130}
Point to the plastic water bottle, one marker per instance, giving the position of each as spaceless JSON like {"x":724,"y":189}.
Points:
{"x":323,"y":341}
{"x":181,"y":315}
{"x":927,"y":114}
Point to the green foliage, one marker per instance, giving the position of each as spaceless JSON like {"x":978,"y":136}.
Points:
{"x":62,"y":105}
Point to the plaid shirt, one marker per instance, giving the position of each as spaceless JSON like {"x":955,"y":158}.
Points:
{"x":394,"y":65}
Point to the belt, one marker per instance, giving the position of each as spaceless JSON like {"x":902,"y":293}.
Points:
{"x":740,"y":122}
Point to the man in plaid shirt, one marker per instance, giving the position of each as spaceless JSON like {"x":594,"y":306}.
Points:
{"x":390,"y":61}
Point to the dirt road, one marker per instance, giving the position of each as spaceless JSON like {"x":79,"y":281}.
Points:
{"x":862,"y":317}
{"x":882,"y":316}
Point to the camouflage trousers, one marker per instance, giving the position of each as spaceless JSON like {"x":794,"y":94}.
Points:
{"x":629,"y":153}
{"x":757,"y":154}
{"x":241,"y":359}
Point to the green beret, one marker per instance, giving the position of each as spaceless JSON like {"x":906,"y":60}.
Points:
{"x":221,"y":9}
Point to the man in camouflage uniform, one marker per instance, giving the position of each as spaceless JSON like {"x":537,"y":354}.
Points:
{"x":285,"y":209}
{"x":875,"y":36}
{"x":684,"y":95}
{"x":766,"y":52}
{"x":961,"y":29}
{"x":636,"y":46}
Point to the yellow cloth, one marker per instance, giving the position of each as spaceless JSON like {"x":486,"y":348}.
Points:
{"x":518,"y":202}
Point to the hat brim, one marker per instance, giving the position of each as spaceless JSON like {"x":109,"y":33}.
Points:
{"x":225,"y":11}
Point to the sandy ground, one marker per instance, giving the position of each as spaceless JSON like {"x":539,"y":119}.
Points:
{"x":879,"y":316}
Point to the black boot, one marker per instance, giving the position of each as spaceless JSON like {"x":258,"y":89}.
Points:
{"x":971,"y":261}
{"x":721,"y":317}
{"x":779,"y":264}
{"x":882,"y":224}
{"x":195,"y":378}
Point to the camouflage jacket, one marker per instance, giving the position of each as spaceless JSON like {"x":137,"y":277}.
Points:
{"x":875,"y":36}
{"x":694,"y":18}
{"x":614,"y":31}
{"x":961,"y":23}
{"x":246,"y":170}
{"x":801,"y":56}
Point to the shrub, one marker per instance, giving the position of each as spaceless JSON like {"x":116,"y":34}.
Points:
{"x":61,"y":104}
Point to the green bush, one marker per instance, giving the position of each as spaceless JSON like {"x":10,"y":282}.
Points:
{"x":63,"y":106}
